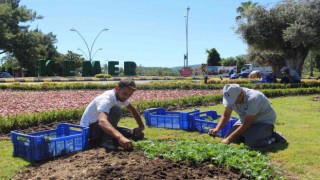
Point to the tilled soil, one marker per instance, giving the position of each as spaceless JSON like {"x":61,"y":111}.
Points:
{"x":99,"y":164}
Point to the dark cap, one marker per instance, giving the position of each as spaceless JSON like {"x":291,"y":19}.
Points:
{"x":127,"y":82}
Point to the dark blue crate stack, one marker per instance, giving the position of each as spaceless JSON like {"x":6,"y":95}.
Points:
{"x":202,"y":125}
{"x":159,"y":117}
{"x":66,"y":138}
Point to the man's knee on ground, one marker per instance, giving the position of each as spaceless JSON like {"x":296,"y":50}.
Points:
{"x":258,"y":143}
{"x":254,"y":144}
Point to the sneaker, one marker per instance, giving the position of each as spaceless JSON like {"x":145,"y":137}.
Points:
{"x":271,"y":140}
{"x":278,"y":137}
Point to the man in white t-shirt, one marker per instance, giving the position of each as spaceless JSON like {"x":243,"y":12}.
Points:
{"x":103,"y":114}
{"x":255,"y":127}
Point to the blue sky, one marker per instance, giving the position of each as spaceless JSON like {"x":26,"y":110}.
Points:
{"x":148,"y":32}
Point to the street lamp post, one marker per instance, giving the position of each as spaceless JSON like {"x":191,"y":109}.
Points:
{"x":187,"y":20}
{"x":96,"y":52}
{"x":83,"y":52}
{"x":89,"y":49}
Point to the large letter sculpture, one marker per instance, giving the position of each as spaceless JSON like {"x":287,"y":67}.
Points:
{"x":68,"y":68}
{"x":45,"y":68}
{"x":112,"y":69}
{"x":91,"y":69}
{"x":130,"y":68}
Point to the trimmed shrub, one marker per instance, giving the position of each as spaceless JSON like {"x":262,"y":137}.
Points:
{"x":23,"y":121}
{"x":102,"y":76}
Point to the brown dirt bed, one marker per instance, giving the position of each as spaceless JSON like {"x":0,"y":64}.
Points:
{"x":99,"y":164}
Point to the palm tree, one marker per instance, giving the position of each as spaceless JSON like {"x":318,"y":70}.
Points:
{"x":243,"y":9}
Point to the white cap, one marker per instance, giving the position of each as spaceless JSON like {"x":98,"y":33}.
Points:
{"x":231,"y":93}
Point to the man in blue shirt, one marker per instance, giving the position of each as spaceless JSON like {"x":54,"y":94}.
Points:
{"x":290,"y":76}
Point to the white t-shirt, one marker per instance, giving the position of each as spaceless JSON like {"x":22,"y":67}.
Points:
{"x":101,"y":103}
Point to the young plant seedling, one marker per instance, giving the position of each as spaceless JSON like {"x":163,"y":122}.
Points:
{"x":209,"y":118}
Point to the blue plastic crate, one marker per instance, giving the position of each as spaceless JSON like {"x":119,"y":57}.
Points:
{"x":66,"y":138}
{"x":202,"y":125}
{"x":159,"y":117}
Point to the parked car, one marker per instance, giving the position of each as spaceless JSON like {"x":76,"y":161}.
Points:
{"x":5,"y":75}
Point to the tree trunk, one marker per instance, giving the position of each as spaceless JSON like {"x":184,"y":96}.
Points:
{"x":276,"y":65}
{"x":295,"y":58}
{"x":311,"y":66}
{"x":276,"y":69}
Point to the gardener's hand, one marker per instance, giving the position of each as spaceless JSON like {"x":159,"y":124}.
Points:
{"x":213,"y":132}
{"x":125,"y":143}
{"x":137,"y":131}
{"x":226,"y":141}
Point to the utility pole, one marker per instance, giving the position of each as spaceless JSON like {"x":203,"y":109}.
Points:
{"x":186,"y":56}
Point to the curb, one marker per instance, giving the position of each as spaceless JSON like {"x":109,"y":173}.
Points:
{"x":75,"y":79}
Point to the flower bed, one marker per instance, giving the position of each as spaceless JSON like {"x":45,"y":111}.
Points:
{"x":20,"y":102}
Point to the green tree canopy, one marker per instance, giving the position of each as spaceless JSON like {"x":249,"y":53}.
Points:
{"x":213,"y":57}
{"x":71,"y":56}
{"x":230,"y":61}
{"x":13,"y":19}
{"x":238,"y":61}
{"x":17,"y":40}
{"x":290,"y":29}
{"x":267,"y":58}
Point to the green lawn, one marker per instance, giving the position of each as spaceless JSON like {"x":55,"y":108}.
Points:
{"x":298,"y":119}
{"x":8,"y":164}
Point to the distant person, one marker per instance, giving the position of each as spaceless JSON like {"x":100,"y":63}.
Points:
{"x":255,"y":74}
{"x":255,"y":127}
{"x":103,"y":114}
{"x":270,"y":78}
{"x":232,"y":71}
{"x":290,"y":76}
{"x":205,"y":78}
{"x":233,"y":76}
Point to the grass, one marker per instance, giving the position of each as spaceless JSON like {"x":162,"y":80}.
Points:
{"x":8,"y":164}
{"x":297,"y":119}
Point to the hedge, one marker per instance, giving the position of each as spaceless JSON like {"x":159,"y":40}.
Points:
{"x":152,"y":86}
{"x":23,"y":121}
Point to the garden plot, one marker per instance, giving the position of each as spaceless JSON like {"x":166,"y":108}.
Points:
{"x":20,"y":102}
{"x":97,"y":164}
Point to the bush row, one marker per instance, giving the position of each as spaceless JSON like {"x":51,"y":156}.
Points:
{"x":23,"y":121}
{"x":102,"y":76}
{"x":152,"y":86}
